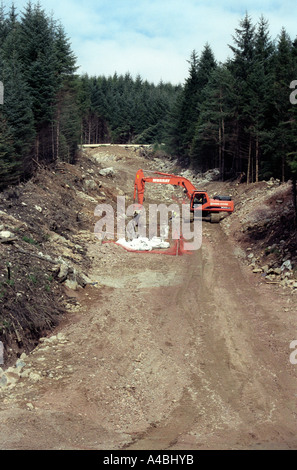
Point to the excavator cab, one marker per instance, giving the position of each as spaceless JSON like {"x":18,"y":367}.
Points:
{"x":198,"y":200}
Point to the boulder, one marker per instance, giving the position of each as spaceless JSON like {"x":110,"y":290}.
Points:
{"x":63,"y":273}
{"x":90,"y":184}
{"x":107,"y":172}
{"x":6,"y":234}
{"x":286,"y":265}
{"x":82,"y":279}
{"x":71,"y":284}
{"x":20,"y":364}
{"x":34,"y":376}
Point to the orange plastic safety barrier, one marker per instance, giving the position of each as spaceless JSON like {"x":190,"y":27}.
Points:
{"x":177,"y":249}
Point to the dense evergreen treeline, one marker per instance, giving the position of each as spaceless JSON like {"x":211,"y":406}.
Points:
{"x":123,"y":110}
{"x":48,"y":109}
{"x":236,"y":116}
{"x":39,"y":120}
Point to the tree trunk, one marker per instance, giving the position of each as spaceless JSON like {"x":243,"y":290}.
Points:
{"x":294,"y":197}
{"x":249,"y":162}
{"x":223,"y":149}
{"x":37,"y":148}
{"x":220,"y":150}
{"x":257,"y":158}
{"x":58,"y":135}
{"x":283,"y":164}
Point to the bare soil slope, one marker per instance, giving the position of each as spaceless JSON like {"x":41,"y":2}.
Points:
{"x":156,"y":352}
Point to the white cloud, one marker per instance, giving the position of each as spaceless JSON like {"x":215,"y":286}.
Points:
{"x":153,"y":64}
{"x":154,"y":38}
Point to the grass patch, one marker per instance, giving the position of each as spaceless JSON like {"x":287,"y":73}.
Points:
{"x":29,"y":240}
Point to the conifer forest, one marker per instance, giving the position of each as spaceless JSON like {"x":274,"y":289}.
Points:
{"x":236,"y":116}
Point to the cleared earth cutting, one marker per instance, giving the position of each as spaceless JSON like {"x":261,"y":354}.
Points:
{"x":162,"y":352}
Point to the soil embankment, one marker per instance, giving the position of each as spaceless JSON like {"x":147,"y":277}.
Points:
{"x":158,"y":352}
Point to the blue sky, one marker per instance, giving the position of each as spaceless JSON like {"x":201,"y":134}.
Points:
{"x":154,"y":38}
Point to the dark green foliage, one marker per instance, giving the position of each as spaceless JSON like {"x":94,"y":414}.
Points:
{"x":122,"y":110}
{"x":48,"y":110}
{"x":237,"y":116}
{"x":188,"y":113}
{"x":216,"y":125}
{"x":10,"y":166}
{"x":40,"y":112}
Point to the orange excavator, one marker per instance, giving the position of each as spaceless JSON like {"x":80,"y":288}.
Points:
{"x":200,"y":203}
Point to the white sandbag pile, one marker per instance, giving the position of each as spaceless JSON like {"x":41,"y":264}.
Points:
{"x":143,"y":244}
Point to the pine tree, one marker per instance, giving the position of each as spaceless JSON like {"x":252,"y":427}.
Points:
{"x":188,"y":111}
{"x":241,"y":67}
{"x":206,"y":65}
{"x":280,"y":141}
{"x":41,"y":91}
{"x":37,"y":53}
{"x":212,"y":143}
{"x":17,"y":108}
{"x":10,"y":166}
{"x":65,"y":99}
{"x":65,"y":60}
{"x":243,"y":49}
{"x":172,"y":132}
{"x":261,"y":91}
{"x":3,"y":24}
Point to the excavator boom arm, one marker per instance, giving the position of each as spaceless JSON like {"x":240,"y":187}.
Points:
{"x":162,"y":178}
{"x":199,"y":200}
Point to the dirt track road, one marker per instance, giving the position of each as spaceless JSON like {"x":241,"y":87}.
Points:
{"x":171,"y":352}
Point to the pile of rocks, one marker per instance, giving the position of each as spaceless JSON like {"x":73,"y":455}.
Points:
{"x":283,"y":274}
{"x":24,"y":368}
{"x":273,"y":182}
{"x":70,"y":276}
{"x":201,"y":178}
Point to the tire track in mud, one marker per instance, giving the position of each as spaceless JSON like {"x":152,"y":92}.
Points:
{"x":165,"y":434}
{"x":183,"y":303}
{"x":200,"y":405}
{"x":239,"y":395}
